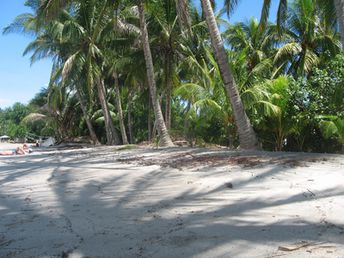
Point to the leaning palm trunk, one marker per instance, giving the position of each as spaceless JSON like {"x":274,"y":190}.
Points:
{"x":87,"y":119}
{"x":339,"y":4}
{"x":111,"y":134}
{"x":247,"y":136}
{"x":120,"y":111}
{"x":168,"y":79}
{"x":165,"y":139}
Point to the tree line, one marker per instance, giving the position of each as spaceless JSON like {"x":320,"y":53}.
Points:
{"x":130,"y":71}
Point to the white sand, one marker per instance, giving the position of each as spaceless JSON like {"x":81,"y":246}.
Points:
{"x":9,"y":146}
{"x":104,"y":202}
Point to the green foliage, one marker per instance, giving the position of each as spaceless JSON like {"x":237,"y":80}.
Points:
{"x":10,"y":119}
{"x":333,"y":127}
{"x":290,"y":75}
{"x":308,"y":34}
{"x":326,"y":88}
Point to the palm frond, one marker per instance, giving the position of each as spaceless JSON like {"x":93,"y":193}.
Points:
{"x":34,"y":117}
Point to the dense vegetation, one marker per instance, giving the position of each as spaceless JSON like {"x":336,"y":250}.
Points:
{"x":133,"y":71}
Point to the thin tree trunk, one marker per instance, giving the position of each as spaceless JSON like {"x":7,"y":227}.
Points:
{"x":93,"y":135}
{"x":149,"y":119}
{"x":165,"y":139}
{"x":247,"y":136}
{"x":119,"y":110}
{"x":111,"y":134}
{"x":130,"y":124}
{"x":168,"y":78}
{"x":186,"y":125}
{"x":339,"y":5}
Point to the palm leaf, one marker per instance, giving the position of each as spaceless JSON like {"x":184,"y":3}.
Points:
{"x":34,"y":117}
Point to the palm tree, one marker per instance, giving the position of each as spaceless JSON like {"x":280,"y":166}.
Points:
{"x":165,"y":139}
{"x":247,"y":137}
{"x":50,"y":8}
{"x":281,"y":13}
{"x":84,"y":35}
{"x":48,"y":44}
{"x":328,"y":6}
{"x":277,"y":121}
{"x":308,"y":35}
{"x":203,"y":96}
{"x":251,"y":51}
{"x":165,"y":34}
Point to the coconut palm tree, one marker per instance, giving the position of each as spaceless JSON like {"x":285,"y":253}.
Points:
{"x":253,"y":50}
{"x":50,"y":8}
{"x":165,"y":139}
{"x":48,"y":44}
{"x":84,"y":35}
{"x":308,"y":35}
{"x":165,"y":34}
{"x":203,"y":96}
{"x":277,"y":120}
{"x":247,"y":137}
{"x":331,"y":8}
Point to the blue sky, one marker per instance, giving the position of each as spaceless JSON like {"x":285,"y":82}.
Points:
{"x":19,"y":81}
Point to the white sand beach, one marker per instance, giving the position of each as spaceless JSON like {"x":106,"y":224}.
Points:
{"x":179,"y":202}
{"x":9,"y":146}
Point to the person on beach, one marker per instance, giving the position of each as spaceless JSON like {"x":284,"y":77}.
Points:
{"x":21,"y":150}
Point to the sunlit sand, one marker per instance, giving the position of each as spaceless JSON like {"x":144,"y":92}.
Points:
{"x":179,"y":202}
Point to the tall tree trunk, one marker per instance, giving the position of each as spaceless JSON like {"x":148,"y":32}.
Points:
{"x":111,"y":134}
{"x":93,"y":135}
{"x":130,"y":123}
{"x":247,"y":136}
{"x":119,"y":110}
{"x":149,"y":119}
{"x":339,"y":5}
{"x":165,"y":139}
{"x":168,"y":79}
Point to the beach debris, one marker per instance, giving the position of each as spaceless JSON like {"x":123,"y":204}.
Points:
{"x":309,"y":193}
{"x":229,"y":185}
{"x":296,"y":246}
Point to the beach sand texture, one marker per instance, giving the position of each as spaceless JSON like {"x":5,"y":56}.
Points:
{"x":178,"y":202}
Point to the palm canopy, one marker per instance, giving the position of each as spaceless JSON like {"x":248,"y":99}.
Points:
{"x":251,"y":51}
{"x":308,"y":34}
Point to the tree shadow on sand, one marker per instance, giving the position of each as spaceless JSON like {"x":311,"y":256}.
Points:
{"x":130,"y":211}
